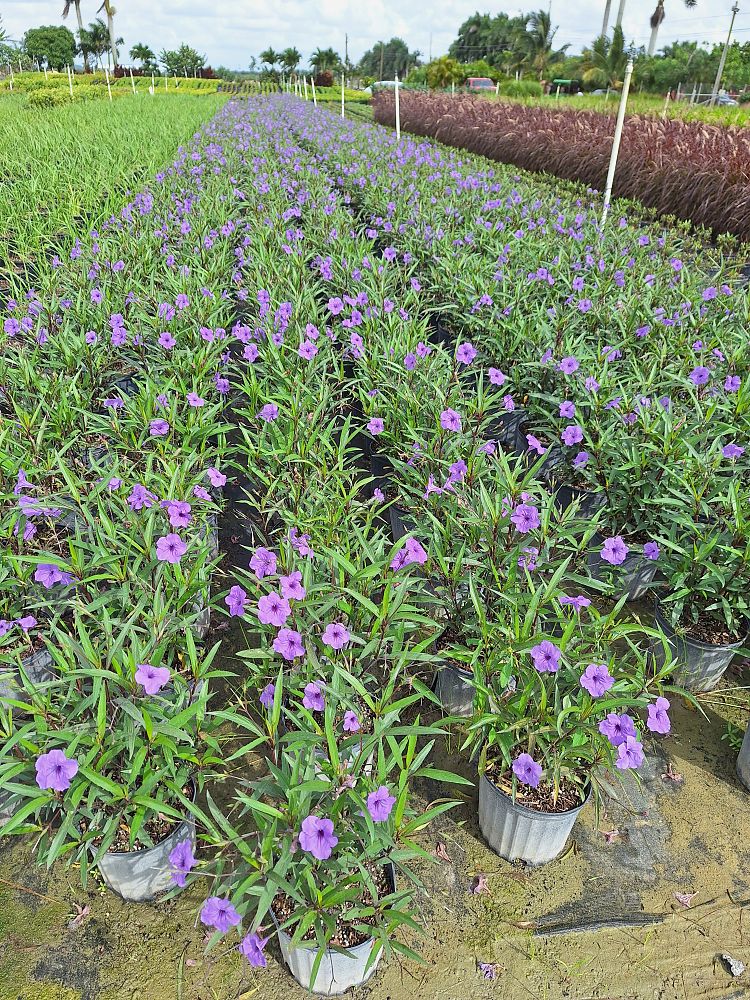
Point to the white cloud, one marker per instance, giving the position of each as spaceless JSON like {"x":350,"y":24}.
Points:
{"x":230,"y":33}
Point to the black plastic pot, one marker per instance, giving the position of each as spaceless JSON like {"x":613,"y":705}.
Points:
{"x":701,"y":665}
{"x":381,"y":469}
{"x":589,"y":502}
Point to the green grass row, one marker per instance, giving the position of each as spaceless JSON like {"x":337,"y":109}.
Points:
{"x":643,"y":104}
{"x":66,"y":169}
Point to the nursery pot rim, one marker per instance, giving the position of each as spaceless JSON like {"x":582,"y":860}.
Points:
{"x":536,"y":813}
{"x":390,"y":870}
{"x":660,"y":617}
{"x":175,"y":828}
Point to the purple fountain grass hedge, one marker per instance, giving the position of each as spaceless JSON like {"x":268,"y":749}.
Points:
{"x":690,"y":170}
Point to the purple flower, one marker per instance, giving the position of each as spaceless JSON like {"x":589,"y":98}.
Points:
{"x":410,"y":362}
{"x":380,"y":804}
{"x":54,"y":770}
{"x":313,"y":698}
{"x":152,"y":679}
{"x":596,"y":679}
{"x":235,"y":601}
{"x":376,"y":425}
{"x":651,"y":551}
{"x":629,"y":754}
{"x":351,"y":722}
{"x":316,"y":836}
{"x":158,"y":427}
{"x":526,"y":518}
{"x":614,"y":551}
{"x":732,"y":451}
{"x":291,"y":586}
{"x":170,"y":548}
{"x":577,"y":603}
{"x":273,"y":609}
{"x":658,"y":720}
{"x":732,"y":383}
{"x":269,"y":412}
{"x":546,"y":657}
{"x":263,"y":563}
{"x":700,"y":375}
{"x":183,"y":861}
{"x":591,"y":384}
{"x":450,"y":420}
{"x":195,"y":400}
{"x":219,"y":914}
{"x":215,"y":477}
{"x":496,"y":376}
{"x":289,"y":644}
{"x":527,"y":770}
{"x":571,"y":435}
{"x":617,"y":728}
{"x":335,"y":636}
{"x":251,"y":946}
{"x":307,"y":350}
{"x":581,"y":459}
{"x":466,"y":353}
{"x":266,"y":696}
{"x":534,"y":444}
{"x":568,"y":365}
{"x":48,"y":574}
{"x":167,"y":341}
{"x":412,"y":552}
{"x":567,"y":409}
{"x":179,"y":513}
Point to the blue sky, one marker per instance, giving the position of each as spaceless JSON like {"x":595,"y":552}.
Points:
{"x":229,"y":33}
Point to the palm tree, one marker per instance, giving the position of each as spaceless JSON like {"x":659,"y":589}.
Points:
{"x":290,"y":60}
{"x":539,"y":37}
{"x":323,"y":59}
{"x":656,"y":20}
{"x":95,"y":39}
{"x":66,"y":11}
{"x":113,"y":42}
{"x":144,"y":55}
{"x":270,"y":57}
{"x":604,"y":63}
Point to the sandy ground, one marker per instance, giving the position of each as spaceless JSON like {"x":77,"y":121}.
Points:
{"x":601,"y":922}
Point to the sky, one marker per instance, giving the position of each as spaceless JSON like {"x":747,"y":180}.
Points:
{"x":230,"y":32}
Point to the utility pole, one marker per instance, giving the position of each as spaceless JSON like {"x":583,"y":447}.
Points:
{"x":429,"y":58}
{"x":346,"y":52}
{"x":722,"y":61}
{"x":382,"y":53}
{"x":620,"y":12}
{"x":605,"y":22}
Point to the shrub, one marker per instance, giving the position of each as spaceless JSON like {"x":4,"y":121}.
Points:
{"x":521,"y":88}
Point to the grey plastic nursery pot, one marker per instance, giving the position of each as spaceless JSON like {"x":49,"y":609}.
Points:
{"x":743,"y":761}
{"x":630,"y":579}
{"x":701,"y":665}
{"x":38,"y":668}
{"x":139,"y":876}
{"x":454,"y":688}
{"x":517,"y":833}
{"x":339,"y":970}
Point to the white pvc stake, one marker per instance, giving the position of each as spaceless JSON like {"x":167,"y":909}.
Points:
{"x":398,"y":114}
{"x":166,"y":81}
{"x":616,"y":142}
{"x":70,"y":80}
{"x":453,"y":86}
{"x":20,"y":70}
{"x":45,"y":74}
{"x":342,"y":95}
{"x":304,"y":80}
{"x":132,"y":81}
{"x":666,"y":105}
{"x":153,"y":86}
{"x":497,"y":88}
{"x":109,"y":89}
{"x":315,"y":98}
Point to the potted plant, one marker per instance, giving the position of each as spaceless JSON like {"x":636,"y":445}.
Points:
{"x":324,"y":841}
{"x":580,"y":689}
{"x":106,"y":761}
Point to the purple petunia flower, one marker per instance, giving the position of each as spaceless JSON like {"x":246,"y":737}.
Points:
{"x":152,"y":679}
{"x":376,"y":426}
{"x":219,"y":914}
{"x":496,"y":376}
{"x":266,"y":696}
{"x":732,"y":451}
{"x":288,"y":644}
{"x":167,"y":341}
{"x":235,"y":601}
{"x":732,"y":383}
{"x":546,"y":657}
{"x":335,"y":635}
{"x":700,"y":375}
{"x":263,"y":563}
{"x":251,"y":947}
{"x":567,"y":409}
{"x":577,"y":603}
{"x":195,"y":400}
{"x":527,"y":770}
{"x":581,"y":459}
{"x":55,"y":771}
{"x":450,"y":420}
{"x":568,"y":366}
{"x":466,"y":353}
{"x":182,"y":860}
{"x":269,"y":412}
{"x":596,"y":679}
{"x":614,"y":551}
{"x":313,"y":698}
{"x":573,"y":434}
{"x":351,"y":722}
{"x":617,"y":728}
{"x":534,"y":444}
{"x":170,"y":548}
{"x":526,"y":518}
{"x":316,"y":836}
{"x":216,"y":478}
{"x":651,"y":551}
{"x":273,"y":609}
{"x":158,"y":427}
{"x":412,"y":552}
{"x":410,"y":362}
{"x":48,"y":574}
{"x":629,"y":754}
{"x":658,"y":720}
{"x":380,"y":804}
